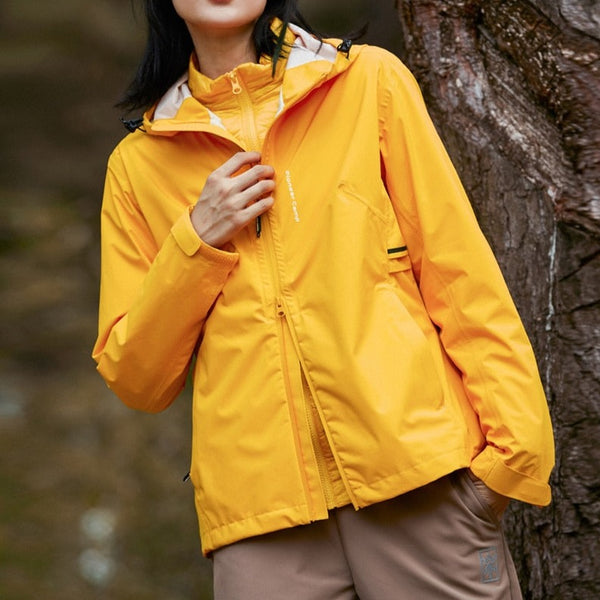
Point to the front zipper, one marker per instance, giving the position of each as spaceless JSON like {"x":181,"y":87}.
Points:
{"x":251,"y":137}
{"x":281,"y":318}
{"x":238,"y":89}
{"x":311,"y":413}
{"x":235,"y":83}
{"x":248,"y":124}
{"x":321,"y":416}
{"x":281,"y":313}
{"x":284,"y":327}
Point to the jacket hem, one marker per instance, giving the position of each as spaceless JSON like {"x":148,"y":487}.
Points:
{"x":416,"y":476}
{"x":214,"y":538}
{"x":366,"y":494}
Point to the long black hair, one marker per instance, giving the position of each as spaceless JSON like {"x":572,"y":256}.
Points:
{"x":169,"y":46}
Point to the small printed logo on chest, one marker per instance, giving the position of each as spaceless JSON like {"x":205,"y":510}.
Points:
{"x":290,"y":185}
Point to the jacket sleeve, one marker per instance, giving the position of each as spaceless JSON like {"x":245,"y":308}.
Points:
{"x":153,"y":301}
{"x":465,"y":295}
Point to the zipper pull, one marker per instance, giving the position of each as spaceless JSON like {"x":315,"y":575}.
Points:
{"x":236,"y":88}
{"x":186,"y":477}
{"x":280,"y":309}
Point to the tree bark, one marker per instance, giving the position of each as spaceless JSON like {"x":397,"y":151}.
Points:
{"x":514,"y":89}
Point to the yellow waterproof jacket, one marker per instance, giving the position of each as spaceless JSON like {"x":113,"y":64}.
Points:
{"x":371,"y":286}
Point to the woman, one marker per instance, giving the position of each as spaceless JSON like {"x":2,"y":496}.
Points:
{"x":365,"y":397}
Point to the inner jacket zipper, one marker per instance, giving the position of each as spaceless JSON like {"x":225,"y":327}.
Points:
{"x":248,"y":124}
{"x":311,"y":414}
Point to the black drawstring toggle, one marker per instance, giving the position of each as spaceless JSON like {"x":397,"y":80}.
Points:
{"x":345,"y":47}
{"x":132,"y":124}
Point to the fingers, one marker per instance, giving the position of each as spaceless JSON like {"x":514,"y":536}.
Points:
{"x":236,"y":162}
{"x":252,"y":176}
{"x":251,"y":185}
{"x":246,"y":186}
{"x":231,"y":199}
{"x":253,"y":193}
{"x":497,"y":502}
{"x":239,"y":191}
{"x":248,"y":214}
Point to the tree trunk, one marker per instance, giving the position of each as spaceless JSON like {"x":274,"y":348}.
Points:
{"x":514,"y":89}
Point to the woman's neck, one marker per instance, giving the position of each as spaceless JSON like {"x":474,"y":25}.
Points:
{"x":219,"y":54}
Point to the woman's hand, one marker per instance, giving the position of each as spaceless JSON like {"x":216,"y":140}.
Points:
{"x":229,"y":202}
{"x":496,"y":501}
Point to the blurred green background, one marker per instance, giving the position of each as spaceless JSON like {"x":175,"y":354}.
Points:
{"x":92,"y":503}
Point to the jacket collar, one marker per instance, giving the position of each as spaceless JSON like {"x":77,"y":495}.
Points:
{"x":309,"y":64}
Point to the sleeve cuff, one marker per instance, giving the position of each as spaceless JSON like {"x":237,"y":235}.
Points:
{"x":191,"y":243}
{"x":503,"y":479}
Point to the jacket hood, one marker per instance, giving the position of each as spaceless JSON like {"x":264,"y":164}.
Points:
{"x":310,"y":63}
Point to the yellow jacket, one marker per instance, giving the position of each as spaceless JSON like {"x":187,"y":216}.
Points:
{"x":371,"y":282}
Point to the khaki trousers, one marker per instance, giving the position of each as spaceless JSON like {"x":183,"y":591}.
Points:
{"x":440,"y":542}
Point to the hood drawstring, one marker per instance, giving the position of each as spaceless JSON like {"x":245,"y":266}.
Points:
{"x":344,"y":47}
{"x":132,"y":124}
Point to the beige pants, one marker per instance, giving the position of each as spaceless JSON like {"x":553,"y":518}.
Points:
{"x":440,"y":542}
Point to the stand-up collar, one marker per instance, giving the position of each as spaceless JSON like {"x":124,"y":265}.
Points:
{"x":188,"y":104}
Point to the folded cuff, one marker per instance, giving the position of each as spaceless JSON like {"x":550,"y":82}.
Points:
{"x":506,"y":481}
{"x":191,"y":243}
